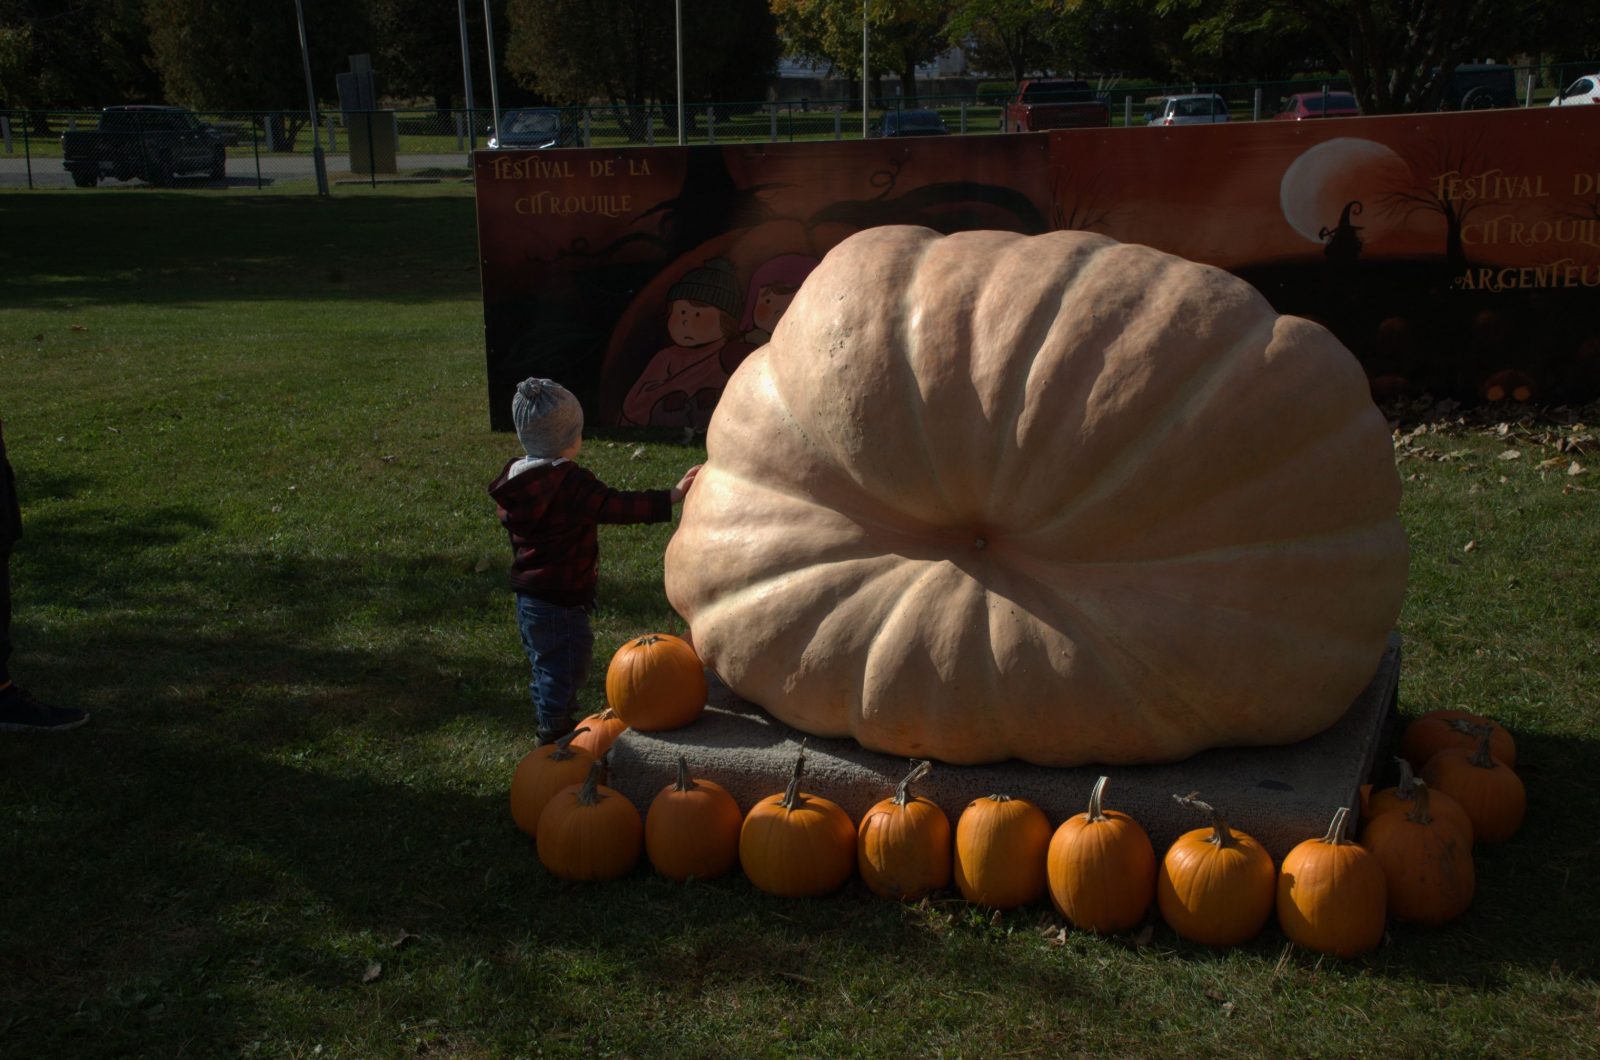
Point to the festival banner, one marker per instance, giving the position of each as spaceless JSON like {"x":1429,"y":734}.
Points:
{"x":1456,"y":254}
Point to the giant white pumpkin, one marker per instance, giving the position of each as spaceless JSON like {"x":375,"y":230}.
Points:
{"x":1055,"y":498}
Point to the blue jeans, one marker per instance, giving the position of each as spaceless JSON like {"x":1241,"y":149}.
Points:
{"x":559,"y":643}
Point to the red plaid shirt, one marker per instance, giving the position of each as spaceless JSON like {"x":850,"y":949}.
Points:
{"x":551,"y":511}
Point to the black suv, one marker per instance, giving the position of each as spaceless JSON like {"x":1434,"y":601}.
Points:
{"x":1480,"y":86}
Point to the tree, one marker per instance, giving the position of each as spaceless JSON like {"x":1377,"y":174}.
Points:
{"x":245,"y":54}
{"x":1006,"y":35}
{"x":622,"y":51}
{"x":1398,"y":54}
{"x":80,"y":53}
{"x":902,"y":34}
{"x":417,"y":50}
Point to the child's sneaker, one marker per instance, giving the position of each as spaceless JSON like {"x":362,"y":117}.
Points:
{"x":545,"y":736}
{"x":20,"y":712}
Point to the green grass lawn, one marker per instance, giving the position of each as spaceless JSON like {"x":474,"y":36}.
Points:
{"x":252,"y":442}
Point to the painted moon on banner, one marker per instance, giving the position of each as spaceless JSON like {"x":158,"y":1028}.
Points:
{"x":1317,"y":186}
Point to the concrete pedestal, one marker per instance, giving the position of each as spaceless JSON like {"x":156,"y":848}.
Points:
{"x":1280,"y":795}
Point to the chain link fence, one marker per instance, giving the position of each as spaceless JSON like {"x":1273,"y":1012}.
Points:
{"x":275,"y":150}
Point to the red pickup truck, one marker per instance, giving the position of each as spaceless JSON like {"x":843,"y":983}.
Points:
{"x":1054,"y":104}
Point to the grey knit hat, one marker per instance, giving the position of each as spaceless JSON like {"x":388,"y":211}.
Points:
{"x":713,"y":283}
{"x":547,"y":417}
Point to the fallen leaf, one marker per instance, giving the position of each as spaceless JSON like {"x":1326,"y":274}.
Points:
{"x":483,"y":564}
{"x":77,"y":327}
{"x":401,"y":939}
{"x":374,"y":970}
{"x":1511,"y":454}
{"x":638,"y":453}
{"x":1546,"y":465}
{"x":1575,"y":468}
{"x":1470,"y":546}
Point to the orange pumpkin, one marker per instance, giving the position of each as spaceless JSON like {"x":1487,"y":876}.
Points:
{"x":1101,"y":868}
{"x":1402,"y":797}
{"x":1215,"y":886}
{"x":604,"y":728}
{"x":692,"y":828}
{"x":796,"y":845}
{"x":1331,"y":894}
{"x":1427,"y":863}
{"x":656,"y":682}
{"x":543,"y":772}
{"x":589,"y":831}
{"x":903,"y":843}
{"x":871,"y":549}
{"x":1000,"y":852}
{"x":1488,"y":789}
{"x":1438,"y":730}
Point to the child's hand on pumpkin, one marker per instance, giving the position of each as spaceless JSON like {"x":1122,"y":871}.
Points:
{"x":681,"y":490}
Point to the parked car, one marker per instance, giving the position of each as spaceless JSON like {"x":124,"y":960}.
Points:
{"x":1054,"y":104}
{"x":156,"y":143}
{"x":1480,"y":86}
{"x":1585,"y":89}
{"x":534,"y":128}
{"x":911,"y":123}
{"x":1198,"y":109}
{"x":1303,"y":105}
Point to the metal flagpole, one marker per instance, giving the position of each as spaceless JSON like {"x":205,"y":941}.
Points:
{"x":494,"y":80}
{"x":466,"y":77}
{"x":678,"y":13}
{"x":863,"y":69}
{"x":318,"y":162}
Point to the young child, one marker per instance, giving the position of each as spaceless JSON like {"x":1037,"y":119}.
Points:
{"x":550,"y":506}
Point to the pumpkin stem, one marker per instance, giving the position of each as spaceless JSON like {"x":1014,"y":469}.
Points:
{"x":999,"y":798}
{"x":1419,"y":811}
{"x":564,"y":749}
{"x":1481,"y":757}
{"x":902,"y":794}
{"x":1335,"y":836}
{"x":1220,"y":836}
{"x":1408,"y":779}
{"x":685,"y":782}
{"x":587,"y":795}
{"x":1095,"y":813}
{"x":791,"y":794}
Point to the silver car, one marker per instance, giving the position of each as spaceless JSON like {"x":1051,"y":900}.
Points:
{"x":1199,"y":109}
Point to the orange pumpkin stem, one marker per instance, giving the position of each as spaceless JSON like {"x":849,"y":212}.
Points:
{"x":791,"y":794}
{"x":1481,"y":757}
{"x":1335,"y":836}
{"x":1094,"y":813}
{"x":902,"y":794}
{"x":564,"y":749}
{"x":685,"y":781}
{"x":587,"y":795}
{"x":1220,"y":836}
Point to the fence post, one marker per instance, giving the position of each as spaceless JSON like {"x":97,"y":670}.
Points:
{"x":1527,"y":96}
{"x":1127,"y":111}
{"x":838,"y":115}
{"x":772,"y":114}
{"x":255,"y":147}
{"x":1255,"y":107}
{"x":5,"y":130}
{"x":27,"y":150}
{"x":394,"y":116}
{"x":372,"y":154}
{"x":963,"y":117}
{"x":711,"y":125}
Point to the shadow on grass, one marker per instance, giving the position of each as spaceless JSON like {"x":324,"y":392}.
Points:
{"x":289,"y":768}
{"x":160,"y":248}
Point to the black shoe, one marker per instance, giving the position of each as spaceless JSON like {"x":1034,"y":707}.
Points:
{"x":545,"y":736}
{"x":20,"y":712}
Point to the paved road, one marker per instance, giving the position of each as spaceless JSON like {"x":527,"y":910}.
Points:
{"x":47,"y":172}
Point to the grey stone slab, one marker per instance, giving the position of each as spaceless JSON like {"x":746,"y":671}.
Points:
{"x":1280,"y":795}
